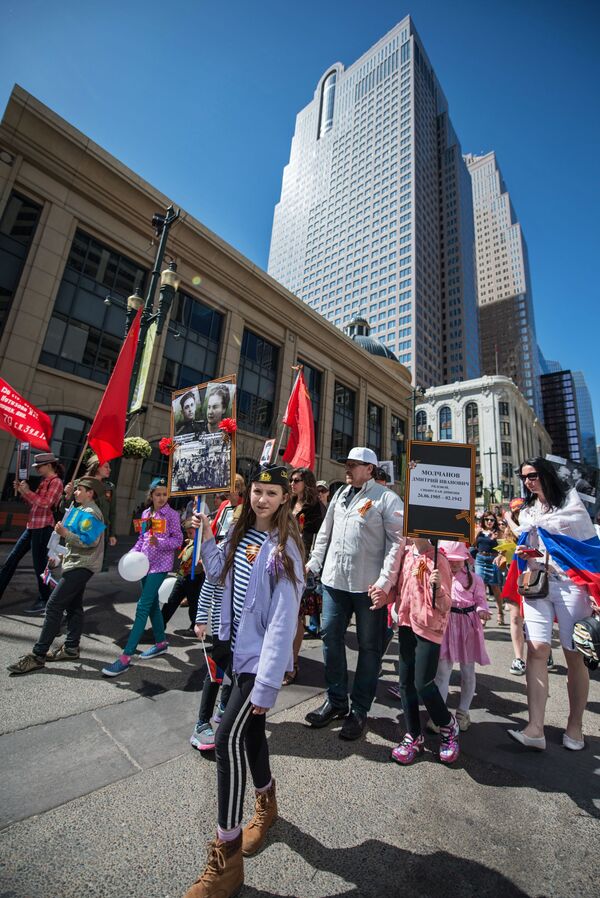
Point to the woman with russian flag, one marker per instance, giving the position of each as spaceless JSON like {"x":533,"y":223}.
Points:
{"x":556,"y":535}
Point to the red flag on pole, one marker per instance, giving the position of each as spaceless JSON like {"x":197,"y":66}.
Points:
{"x":300,"y":450}
{"x":108,"y":429}
{"x":24,"y":421}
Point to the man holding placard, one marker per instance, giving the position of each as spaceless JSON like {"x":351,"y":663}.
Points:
{"x":358,"y":546}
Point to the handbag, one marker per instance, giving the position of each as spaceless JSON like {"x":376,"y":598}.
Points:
{"x":534,"y":584}
{"x":586,"y":639}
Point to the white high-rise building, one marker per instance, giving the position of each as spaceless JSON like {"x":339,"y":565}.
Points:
{"x":375,"y":215}
{"x":506,"y":319}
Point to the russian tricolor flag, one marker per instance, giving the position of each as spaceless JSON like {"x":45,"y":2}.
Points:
{"x":579,"y":559}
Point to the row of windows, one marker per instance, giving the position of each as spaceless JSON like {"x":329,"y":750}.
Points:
{"x":445,"y":423}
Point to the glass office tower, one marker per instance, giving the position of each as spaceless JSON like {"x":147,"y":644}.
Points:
{"x":375,"y":215}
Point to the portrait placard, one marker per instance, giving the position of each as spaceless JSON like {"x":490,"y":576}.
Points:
{"x":267,"y":453}
{"x":203,"y":458}
{"x":388,"y":467}
{"x":440,"y":491}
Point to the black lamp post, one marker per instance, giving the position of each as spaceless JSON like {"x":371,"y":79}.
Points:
{"x":169,"y":283}
{"x":420,"y":392}
{"x":429,"y":434}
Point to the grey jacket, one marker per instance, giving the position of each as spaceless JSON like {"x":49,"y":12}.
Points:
{"x":361,"y":545}
{"x":78,"y":555}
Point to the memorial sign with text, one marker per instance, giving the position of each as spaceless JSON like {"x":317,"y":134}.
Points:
{"x":439,"y":500}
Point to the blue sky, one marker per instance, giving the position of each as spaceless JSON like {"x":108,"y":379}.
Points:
{"x":200,"y":99}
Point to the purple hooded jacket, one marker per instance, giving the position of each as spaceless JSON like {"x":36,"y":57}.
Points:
{"x":267,"y":626}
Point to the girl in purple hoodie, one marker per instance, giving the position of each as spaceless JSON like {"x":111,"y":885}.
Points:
{"x":261,"y":567}
{"x":160,"y":537}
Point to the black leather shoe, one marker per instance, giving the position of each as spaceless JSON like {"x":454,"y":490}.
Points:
{"x":37,"y":610}
{"x":354,"y":725}
{"x":325,"y":714}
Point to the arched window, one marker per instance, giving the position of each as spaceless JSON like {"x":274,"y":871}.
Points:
{"x":327,"y":104}
{"x":421,"y":425}
{"x":472,"y":423}
{"x":445,"y":423}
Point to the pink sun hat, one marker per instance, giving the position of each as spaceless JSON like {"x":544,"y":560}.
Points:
{"x":454,"y":551}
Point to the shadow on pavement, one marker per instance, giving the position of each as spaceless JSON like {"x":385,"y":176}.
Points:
{"x":375,"y":868}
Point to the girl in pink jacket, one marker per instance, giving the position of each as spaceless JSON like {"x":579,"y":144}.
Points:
{"x":422,"y":622}
{"x":463,"y":641}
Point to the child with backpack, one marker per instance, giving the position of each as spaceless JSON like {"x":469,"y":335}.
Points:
{"x":82,"y":558}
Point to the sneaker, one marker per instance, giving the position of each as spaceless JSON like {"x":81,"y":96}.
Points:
{"x":160,"y":649}
{"x":464,"y":720}
{"x":517,"y":668}
{"x":449,"y":748}
{"x":203,"y":737}
{"x":431,"y":727}
{"x":36,"y":610}
{"x":394,"y":691}
{"x":220,"y":710}
{"x":550,"y":662}
{"x":63,"y":654}
{"x":409,"y":748}
{"x":26,"y":664}
{"x":116,"y":668}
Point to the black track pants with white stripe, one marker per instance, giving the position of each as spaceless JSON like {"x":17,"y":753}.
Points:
{"x":240,"y":733}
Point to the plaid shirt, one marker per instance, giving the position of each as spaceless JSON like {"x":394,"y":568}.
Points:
{"x":46,"y":496}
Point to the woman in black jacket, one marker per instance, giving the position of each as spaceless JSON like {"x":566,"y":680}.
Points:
{"x":309,"y":512}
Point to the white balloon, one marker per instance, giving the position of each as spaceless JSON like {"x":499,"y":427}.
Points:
{"x":165,"y":589}
{"x":133,"y":566}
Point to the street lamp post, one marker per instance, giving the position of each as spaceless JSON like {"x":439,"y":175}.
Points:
{"x":420,"y":392}
{"x":491,"y":452}
{"x":169,"y":284}
{"x":429,"y":434}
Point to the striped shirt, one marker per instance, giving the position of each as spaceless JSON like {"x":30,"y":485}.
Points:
{"x":243,"y":560}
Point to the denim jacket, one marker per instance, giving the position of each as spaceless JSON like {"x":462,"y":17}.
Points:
{"x":267,"y":626}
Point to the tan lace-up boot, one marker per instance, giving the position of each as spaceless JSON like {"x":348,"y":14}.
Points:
{"x":223,"y":875}
{"x":265,"y":814}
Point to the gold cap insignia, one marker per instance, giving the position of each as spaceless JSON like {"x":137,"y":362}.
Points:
{"x":265,"y":477}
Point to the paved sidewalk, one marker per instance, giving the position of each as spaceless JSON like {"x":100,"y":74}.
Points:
{"x":101,"y":794}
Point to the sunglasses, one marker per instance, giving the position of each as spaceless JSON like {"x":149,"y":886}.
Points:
{"x":524,"y":477}
{"x":297,"y":480}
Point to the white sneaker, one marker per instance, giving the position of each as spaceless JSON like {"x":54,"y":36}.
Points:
{"x":573,"y":744}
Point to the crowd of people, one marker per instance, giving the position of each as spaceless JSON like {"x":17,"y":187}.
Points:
{"x":288,"y":557}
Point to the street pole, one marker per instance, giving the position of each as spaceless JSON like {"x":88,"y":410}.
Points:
{"x":162,"y":225}
{"x":490,"y":452}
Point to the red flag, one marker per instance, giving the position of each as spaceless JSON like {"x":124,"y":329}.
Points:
{"x":24,"y":421}
{"x":300,"y":450}
{"x":108,"y":429}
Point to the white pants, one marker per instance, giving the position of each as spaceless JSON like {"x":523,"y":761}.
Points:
{"x":467,"y":682}
{"x":565,"y":601}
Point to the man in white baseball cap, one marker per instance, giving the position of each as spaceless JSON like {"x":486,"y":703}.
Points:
{"x":359,"y":544}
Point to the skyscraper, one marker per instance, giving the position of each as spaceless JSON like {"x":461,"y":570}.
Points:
{"x":560,"y":414}
{"x":375,"y":215}
{"x":506,"y":319}
{"x":585,"y":414}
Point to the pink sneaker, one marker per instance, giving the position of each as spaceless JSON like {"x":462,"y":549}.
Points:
{"x":449,"y":748}
{"x":409,"y":748}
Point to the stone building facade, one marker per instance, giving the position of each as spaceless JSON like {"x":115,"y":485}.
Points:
{"x":76,"y":239}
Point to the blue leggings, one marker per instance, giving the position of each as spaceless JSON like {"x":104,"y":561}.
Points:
{"x":147,"y":607}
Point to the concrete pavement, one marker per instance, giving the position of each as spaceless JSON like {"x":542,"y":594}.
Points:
{"x":101,"y":794}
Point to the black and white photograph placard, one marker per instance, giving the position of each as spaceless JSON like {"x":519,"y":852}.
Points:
{"x":439,"y":500}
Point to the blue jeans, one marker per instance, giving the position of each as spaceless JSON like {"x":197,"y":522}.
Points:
{"x":147,"y":607}
{"x":371,"y":626}
{"x":37,"y":541}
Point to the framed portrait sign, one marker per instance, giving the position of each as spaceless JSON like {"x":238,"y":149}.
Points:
{"x":439,"y":501}
{"x":23,"y":458}
{"x":203,"y":457}
{"x":267,"y":453}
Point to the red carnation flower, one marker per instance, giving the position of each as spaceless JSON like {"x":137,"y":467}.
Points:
{"x":166,"y":445}
{"x":228,"y":425}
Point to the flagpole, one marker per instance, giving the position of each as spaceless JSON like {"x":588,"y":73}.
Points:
{"x":80,"y":461}
{"x":298,"y":370}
